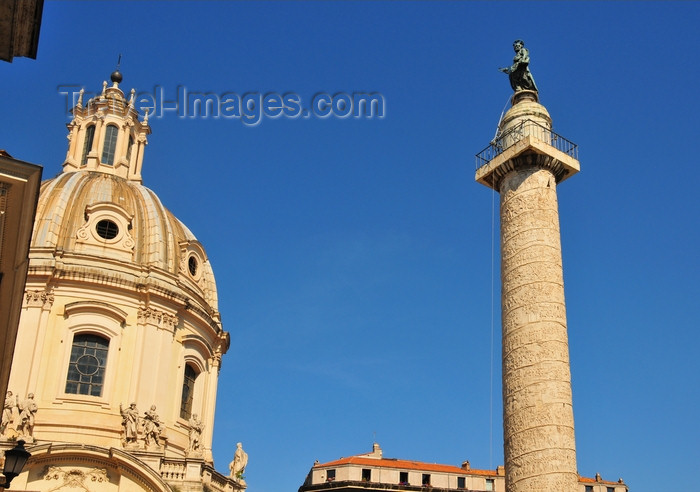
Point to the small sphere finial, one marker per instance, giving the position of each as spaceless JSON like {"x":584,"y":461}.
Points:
{"x":116,"y":76}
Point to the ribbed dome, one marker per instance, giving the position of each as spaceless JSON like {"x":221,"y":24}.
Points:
{"x":82,"y":216}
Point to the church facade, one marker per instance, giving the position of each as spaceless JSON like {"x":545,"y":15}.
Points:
{"x":114,"y":377}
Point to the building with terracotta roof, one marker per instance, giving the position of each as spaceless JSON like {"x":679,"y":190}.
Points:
{"x":372,"y":471}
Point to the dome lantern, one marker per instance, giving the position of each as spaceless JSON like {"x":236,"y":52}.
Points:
{"x":106,"y":135}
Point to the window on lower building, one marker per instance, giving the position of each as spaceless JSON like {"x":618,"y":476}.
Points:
{"x":330,"y":475}
{"x":489,"y":484}
{"x":366,"y":475}
{"x":403,"y":478}
{"x":187,"y":392}
{"x":611,"y":489}
{"x":426,"y":479}
{"x":589,"y":488}
{"x":86,"y":369}
{"x":461,"y":483}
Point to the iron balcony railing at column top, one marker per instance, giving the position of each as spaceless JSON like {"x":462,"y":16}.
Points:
{"x":523,"y":129}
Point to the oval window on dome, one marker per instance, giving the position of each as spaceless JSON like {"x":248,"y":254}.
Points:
{"x":192,"y":265}
{"x":107,"y":229}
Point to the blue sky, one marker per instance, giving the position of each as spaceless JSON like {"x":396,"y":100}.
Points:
{"x":354,"y":256}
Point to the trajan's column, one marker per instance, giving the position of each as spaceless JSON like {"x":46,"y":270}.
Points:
{"x":525,"y":163}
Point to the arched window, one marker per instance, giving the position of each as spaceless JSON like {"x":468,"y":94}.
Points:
{"x":110,"y":145}
{"x":187,"y":392}
{"x":86,"y":370}
{"x":87,"y":146}
{"x":128,"y":149}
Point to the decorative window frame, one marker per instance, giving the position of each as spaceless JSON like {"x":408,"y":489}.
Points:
{"x":92,"y":318}
{"x":192,"y":249}
{"x":122,"y":245}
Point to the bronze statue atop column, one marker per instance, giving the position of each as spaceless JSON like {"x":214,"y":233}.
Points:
{"x":519,"y":73}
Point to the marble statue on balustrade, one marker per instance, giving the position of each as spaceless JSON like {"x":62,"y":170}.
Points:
{"x":8,"y":417}
{"x":240,"y":461}
{"x":152,"y":428}
{"x":519,"y":73}
{"x":130,"y":421}
{"x":196,"y":429}
{"x":27,"y":410}
{"x":237,"y":466}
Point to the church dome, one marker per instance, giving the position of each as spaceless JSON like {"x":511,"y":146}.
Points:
{"x":92,"y":215}
{"x":120,"y":340}
{"x":98,"y":223}
{"x":120,"y":310}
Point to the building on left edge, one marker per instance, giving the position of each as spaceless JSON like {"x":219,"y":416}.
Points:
{"x":19,"y":191}
{"x":19,"y":28}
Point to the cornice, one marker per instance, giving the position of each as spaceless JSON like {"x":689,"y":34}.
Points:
{"x":157,"y":317}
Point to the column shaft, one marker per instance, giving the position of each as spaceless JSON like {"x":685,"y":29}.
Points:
{"x":538,"y":423}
